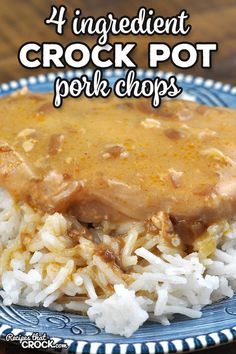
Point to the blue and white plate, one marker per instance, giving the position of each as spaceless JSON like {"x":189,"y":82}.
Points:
{"x":218,"y":323}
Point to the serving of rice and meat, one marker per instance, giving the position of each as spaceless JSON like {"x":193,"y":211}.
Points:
{"x":116,"y":210}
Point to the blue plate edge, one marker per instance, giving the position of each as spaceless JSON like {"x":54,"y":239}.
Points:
{"x":164,"y":347}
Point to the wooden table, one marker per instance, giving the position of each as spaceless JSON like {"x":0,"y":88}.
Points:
{"x":212,"y":21}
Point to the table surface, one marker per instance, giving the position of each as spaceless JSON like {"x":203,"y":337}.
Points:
{"x":212,"y":21}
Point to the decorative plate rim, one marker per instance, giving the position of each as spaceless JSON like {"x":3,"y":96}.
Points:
{"x":50,"y":77}
{"x":208,"y":340}
{"x":187,"y":344}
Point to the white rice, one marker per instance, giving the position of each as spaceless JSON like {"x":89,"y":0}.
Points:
{"x":40,"y":266}
{"x":121,"y":313}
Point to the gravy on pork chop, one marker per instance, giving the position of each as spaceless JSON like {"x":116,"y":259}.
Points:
{"x":120,"y":159}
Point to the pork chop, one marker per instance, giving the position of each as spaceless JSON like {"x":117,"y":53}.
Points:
{"x":120,"y":159}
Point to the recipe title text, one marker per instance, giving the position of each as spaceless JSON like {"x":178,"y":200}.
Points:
{"x":119,"y":55}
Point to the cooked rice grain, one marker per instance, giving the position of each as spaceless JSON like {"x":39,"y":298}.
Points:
{"x":41,"y":265}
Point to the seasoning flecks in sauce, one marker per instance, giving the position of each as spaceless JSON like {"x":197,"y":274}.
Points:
{"x":120,"y":160}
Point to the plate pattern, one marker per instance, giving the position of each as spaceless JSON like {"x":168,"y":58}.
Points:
{"x":218,"y":323}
